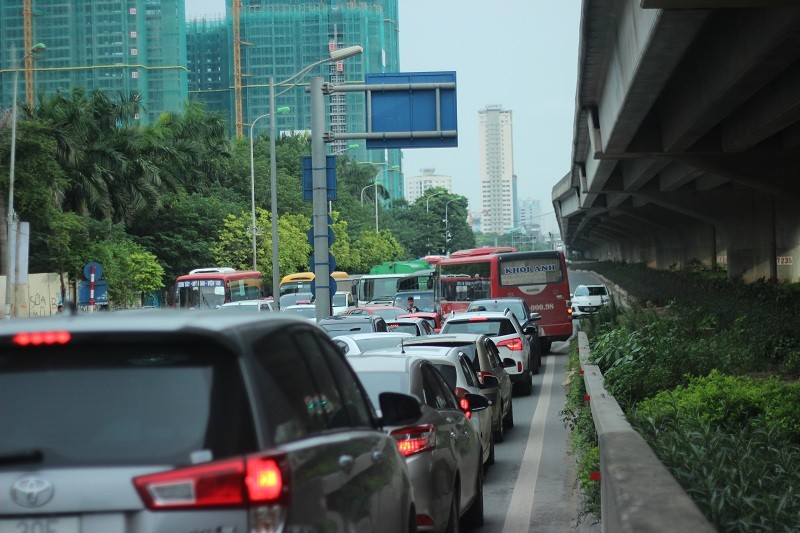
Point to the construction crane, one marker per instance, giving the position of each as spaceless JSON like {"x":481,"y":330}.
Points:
{"x":27,"y":16}
{"x":237,"y":65}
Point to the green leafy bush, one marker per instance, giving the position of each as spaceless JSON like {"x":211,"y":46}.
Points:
{"x":733,"y":444}
{"x":577,"y":417}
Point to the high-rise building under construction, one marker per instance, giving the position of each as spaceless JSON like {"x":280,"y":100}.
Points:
{"x":281,"y":38}
{"x":119,"y":46}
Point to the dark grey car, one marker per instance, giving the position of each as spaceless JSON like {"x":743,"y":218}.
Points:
{"x":179,"y":421}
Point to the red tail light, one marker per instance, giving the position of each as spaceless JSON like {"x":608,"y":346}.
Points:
{"x":478,"y":319}
{"x":460,"y":392}
{"x":38,"y":338}
{"x":424,"y":520}
{"x":415,"y":439}
{"x":514,"y":344}
{"x":463,"y":404}
{"x":236,"y":482}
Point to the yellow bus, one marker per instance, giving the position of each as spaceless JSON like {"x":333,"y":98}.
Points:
{"x":301,"y":282}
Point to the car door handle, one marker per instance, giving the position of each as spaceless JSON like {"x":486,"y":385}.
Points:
{"x":346,"y":462}
{"x":377,"y":455}
{"x":454,"y":434}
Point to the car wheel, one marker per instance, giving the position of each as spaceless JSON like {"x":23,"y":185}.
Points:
{"x":499,"y":433}
{"x":412,"y":521}
{"x":474,"y":515}
{"x":546,"y":345}
{"x":490,"y":459}
{"x":536,"y":355}
{"x":453,"y":523}
{"x":508,"y":421}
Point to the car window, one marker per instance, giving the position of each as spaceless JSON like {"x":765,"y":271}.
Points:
{"x":380,"y":325}
{"x":582,"y":291}
{"x":447,"y":392}
{"x":139,"y":403}
{"x":287,"y":388}
{"x":435,"y":390}
{"x":403,"y":328}
{"x":469,"y":371}
{"x":448,"y":371}
{"x":598,"y":291}
{"x":427,"y":328}
{"x":377,"y":342}
{"x":355,"y":403}
{"x":492,"y":351}
{"x":506,"y":328}
{"x":485,"y":327}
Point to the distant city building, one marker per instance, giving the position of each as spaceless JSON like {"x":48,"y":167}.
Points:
{"x":281,"y":38}
{"x":110,"y":46}
{"x":514,"y":201}
{"x":474,"y":221}
{"x":530,"y":213}
{"x":427,"y":179}
{"x":496,"y":159}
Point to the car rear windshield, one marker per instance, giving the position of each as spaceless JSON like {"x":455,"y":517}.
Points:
{"x":377,"y":382}
{"x":402,"y":328}
{"x":487,"y":327}
{"x":380,"y":341}
{"x":123,"y":404}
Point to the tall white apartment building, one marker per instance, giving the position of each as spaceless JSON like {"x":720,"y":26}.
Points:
{"x":496,"y":157}
{"x":417,"y":185}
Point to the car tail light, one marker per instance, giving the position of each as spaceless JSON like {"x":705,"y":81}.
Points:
{"x":38,"y":338}
{"x":412,"y":440}
{"x":463,"y":404}
{"x":481,"y":374}
{"x":239,"y":482}
{"x":460,"y":392}
{"x":424,"y":520}
{"x":479,"y":319}
{"x":515,"y":344}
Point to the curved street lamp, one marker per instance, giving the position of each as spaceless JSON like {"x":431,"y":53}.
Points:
{"x":289,"y":83}
{"x":283,"y":109}
{"x":434,"y":195}
{"x":11,"y":259}
{"x":446,"y":230}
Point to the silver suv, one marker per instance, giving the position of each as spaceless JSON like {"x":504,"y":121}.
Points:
{"x":510,"y":338}
{"x":192,"y":421}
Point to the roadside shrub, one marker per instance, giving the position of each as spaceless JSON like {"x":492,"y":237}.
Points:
{"x":577,"y":417}
{"x":732,"y":443}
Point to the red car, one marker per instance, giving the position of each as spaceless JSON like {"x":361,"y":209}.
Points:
{"x":434,"y":319}
{"x":384,"y":311}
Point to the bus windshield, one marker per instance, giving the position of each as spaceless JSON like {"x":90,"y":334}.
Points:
{"x":377,"y":288}
{"x":209,"y":290}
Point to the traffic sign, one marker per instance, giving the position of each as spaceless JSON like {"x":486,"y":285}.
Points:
{"x":310,"y":234}
{"x":330,"y":177}
{"x":98,"y":270}
{"x":331,"y":263}
{"x":331,"y":287}
{"x":100,"y":292}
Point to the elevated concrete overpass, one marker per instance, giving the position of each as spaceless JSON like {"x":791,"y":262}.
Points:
{"x":686,"y":138}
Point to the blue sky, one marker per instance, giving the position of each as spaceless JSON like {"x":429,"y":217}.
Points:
{"x":521,"y":54}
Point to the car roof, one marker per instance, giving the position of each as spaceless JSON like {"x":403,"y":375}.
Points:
{"x":477,"y":314}
{"x":246,"y":302}
{"x":422,"y":351}
{"x":179,"y":322}
{"x":382,"y":363}
{"x":300,"y":306}
{"x":351,"y":318}
{"x":446,"y":337}
{"x":498,"y":299}
{"x":406,"y":320}
{"x":373,"y":334}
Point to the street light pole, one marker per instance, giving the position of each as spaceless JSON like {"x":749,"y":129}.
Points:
{"x":11,"y":254}
{"x":446,"y":238}
{"x":434,"y":195}
{"x":291,"y":81}
{"x":253,"y":178}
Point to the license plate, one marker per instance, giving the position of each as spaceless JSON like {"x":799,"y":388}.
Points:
{"x":51,"y":524}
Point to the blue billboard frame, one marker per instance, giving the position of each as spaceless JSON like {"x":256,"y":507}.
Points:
{"x":413,"y":110}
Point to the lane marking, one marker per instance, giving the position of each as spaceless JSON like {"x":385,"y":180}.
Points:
{"x":518,"y":517}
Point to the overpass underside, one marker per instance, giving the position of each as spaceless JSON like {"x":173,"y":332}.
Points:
{"x":687,"y":136}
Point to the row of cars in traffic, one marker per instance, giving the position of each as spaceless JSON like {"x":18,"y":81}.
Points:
{"x":240,"y":421}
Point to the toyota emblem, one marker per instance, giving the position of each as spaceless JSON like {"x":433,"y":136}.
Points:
{"x":31,"y":492}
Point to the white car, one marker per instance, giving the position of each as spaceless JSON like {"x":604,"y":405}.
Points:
{"x":247,"y":306}
{"x":342,"y":301}
{"x":358,"y":343}
{"x":458,"y":372}
{"x":589,"y":299}
{"x":510,"y":338}
{"x":307,"y":311}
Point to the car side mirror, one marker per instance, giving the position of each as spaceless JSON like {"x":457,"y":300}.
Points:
{"x":490,"y":382}
{"x":535,"y":316}
{"x":508,"y":362}
{"x":528,"y":330}
{"x":398,"y":409}
{"x":477,"y":402}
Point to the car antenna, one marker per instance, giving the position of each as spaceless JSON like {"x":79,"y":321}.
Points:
{"x":402,"y":347}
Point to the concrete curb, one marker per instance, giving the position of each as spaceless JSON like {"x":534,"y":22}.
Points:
{"x":637,"y":492}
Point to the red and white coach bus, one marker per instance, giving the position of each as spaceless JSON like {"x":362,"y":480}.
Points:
{"x":540,"y":278}
{"x":208,"y":288}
